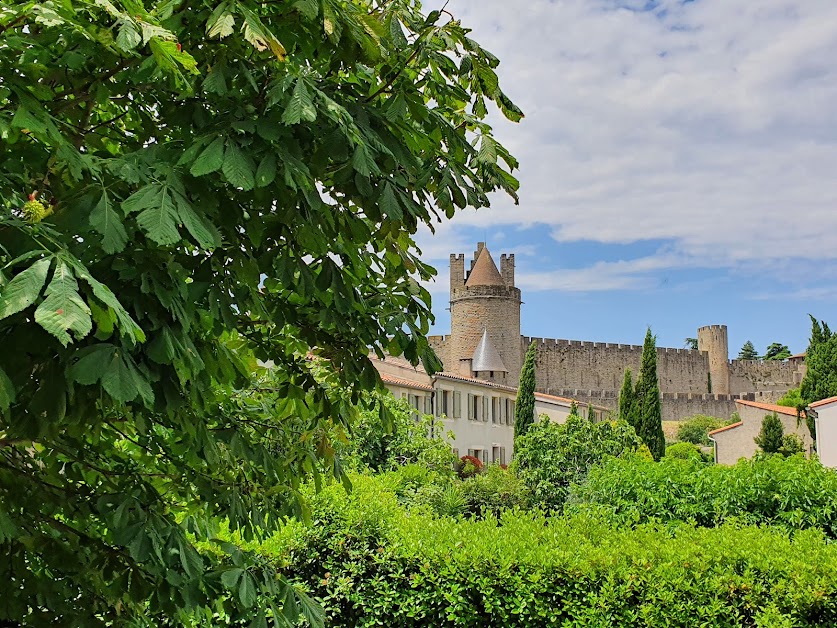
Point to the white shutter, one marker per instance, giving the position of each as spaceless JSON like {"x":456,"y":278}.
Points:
{"x":457,"y":405}
{"x":471,"y":414}
{"x":485,"y":408}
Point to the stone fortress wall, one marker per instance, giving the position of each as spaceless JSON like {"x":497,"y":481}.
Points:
{"x":702,"y":381}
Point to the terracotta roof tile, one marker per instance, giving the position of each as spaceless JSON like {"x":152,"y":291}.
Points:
{"x":406,"y":383}
{"x":726,"y":427}
{"x":770,"y":407}
{"x":485,"y":271}
{"x":823,"y":402}
{"x":474,"y":380}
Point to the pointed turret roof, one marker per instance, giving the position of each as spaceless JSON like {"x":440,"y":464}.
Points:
{"x":485,"y":271}
{"x":486,"y":357}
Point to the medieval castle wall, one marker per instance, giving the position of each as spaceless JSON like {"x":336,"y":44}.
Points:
{"x":703,"y":381}
{"x":601,"y":366}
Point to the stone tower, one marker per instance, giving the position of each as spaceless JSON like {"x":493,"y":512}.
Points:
{"x":484,"y":301}
{"x":713,"y":340}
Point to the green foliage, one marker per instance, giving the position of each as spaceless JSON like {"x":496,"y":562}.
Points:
{"x":390,"y":434}
{"x":524,"y":408}
{"x":777,"y":351}
{"x":770,"y":436}
{"x":391,"y":566}
{"x":695,"y":429}
{"x":648,"y":410}
{"x":792,"y":399}
{"x":494,"y":490}
{"x":792,"y":493}
{"x":748,"y":352}
{"x":226,"y":183}
{"x":684,"y":451}
{"x":691,"y":343}
{"x":627,"y":405}
{"x":551,"y":457}
{"x":791,"y":445}
{"x":820,"y":381}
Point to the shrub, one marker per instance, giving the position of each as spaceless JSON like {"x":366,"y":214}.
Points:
{"x":469,"y":466}
{"x":794,"y":493}
{"x":552,"y":456}
{"x":493,"y":491}
{"x":695,"y":429}
{"x":684,"y":451}
{"x":771,"y":434}
{"x":391,"y":566}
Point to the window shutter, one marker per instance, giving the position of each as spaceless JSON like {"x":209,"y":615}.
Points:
{"x":471,"y":452}
{"x":485,"y":408}
{"x":485,"y":456}
{"x":457,"y":405}
{"x":471,"y":406}
{"x":428,"y":404}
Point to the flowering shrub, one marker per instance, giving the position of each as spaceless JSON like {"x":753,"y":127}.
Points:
{"x":469,"y":466}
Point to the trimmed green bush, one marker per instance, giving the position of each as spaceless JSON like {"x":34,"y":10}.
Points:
{"x":794,"y":493}
{"x":371,"y":562}
{"x":695,"y":429}
{"x":684,"y":451}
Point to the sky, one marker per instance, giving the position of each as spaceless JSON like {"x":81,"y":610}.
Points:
{"x":677,"y":168}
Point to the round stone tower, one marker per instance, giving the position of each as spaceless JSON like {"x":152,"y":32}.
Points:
{"x":713,"y":340}
{"x":484,"y":300}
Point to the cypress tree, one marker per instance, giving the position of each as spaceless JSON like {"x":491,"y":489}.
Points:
{"x":626,"y":400}
{"x":647,"y":406}
{"x":524,"y":410}
{"x":820,"y":379}
{"x":591,"y":414}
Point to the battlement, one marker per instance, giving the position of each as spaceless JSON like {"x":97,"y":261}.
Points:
{"x":713,"y":328}
{"x":460,"y":292}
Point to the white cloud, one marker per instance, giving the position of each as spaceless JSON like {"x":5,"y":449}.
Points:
{"x":713,"y":127}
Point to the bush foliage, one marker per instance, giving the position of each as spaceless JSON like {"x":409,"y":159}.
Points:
{"x":393,"y":566}
{"x":790,"y":492}
{"x":695,"y":429}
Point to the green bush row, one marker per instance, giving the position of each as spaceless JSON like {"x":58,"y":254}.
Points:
{"x":792,"y":492}
{"x":372,"y":562}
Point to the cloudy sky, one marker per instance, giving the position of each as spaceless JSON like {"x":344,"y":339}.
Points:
{"x":678,"y":166}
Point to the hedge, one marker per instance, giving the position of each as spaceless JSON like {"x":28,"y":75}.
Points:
{"x":372,"y":562}
{"x":791,"y":492}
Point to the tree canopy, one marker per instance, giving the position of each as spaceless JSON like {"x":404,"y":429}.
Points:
{"x":777,"y":351}
{"x":524,"y":406}
{"x":748,"y":352}
{"x":189,"y":189}
{"x":820,"y":381}
{"x":646,"y":400}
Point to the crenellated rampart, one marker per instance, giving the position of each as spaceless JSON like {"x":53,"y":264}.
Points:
{"x":756,"y":375}
{"x":587,"y":365}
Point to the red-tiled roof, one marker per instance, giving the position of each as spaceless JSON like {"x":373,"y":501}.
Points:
{"x":823,"y":402}
{"x":552,"y":397}
{"x":726,"y":427}
{"x":474,"y":380}
{"x":485,"y":271}
{"x":770,"y":407}
{"x":406,"y":383}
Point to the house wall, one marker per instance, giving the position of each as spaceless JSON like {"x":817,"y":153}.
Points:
{"x":739,"y":442}
{"x":827,"y":434}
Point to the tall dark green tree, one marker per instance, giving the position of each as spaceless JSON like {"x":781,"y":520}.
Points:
{"x":524,"y":408}
{"x":648,"y":408}
{"x":748,"y":352}
{"x":777,"y":351}
{"x":820,"y":381}
{"x":627,"y":407}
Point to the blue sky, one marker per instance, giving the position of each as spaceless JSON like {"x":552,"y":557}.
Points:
{"x":677,"y":167}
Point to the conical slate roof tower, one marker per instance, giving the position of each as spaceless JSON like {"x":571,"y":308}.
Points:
{"x":485,"y":318}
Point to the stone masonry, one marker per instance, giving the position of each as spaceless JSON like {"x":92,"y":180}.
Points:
{"x":704,"y":381}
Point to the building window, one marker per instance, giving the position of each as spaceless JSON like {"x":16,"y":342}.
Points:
{"x":447,"y":405}
{"x":495,"y":455}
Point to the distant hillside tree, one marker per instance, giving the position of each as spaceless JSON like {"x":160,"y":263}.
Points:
{"x":626,"y":401}
{"x":748,"y":352}
{"x":691,"y":343}
{"x":524,"y":409}
{"x":647,"y":400}
{"x":777,"y":351}
{"x":771,"y":434}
